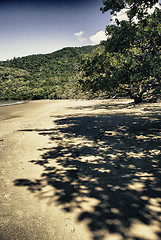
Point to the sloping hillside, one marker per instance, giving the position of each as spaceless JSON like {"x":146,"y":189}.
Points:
{"x":44,"y":75}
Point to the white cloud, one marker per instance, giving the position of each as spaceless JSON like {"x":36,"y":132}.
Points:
{"x":80,"y":36}
{"x":99,"y":36}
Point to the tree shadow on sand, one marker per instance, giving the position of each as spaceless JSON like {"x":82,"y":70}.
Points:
{"x":106,"y":168}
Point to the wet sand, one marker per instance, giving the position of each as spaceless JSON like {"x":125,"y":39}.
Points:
{"x":80,"y":170}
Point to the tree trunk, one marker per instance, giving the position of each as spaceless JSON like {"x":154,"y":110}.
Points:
{"x":138,"y":99}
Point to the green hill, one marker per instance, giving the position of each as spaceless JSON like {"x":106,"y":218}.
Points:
{"x":44,"y":75}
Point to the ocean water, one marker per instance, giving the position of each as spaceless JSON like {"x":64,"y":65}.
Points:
{"x":8,"y":103}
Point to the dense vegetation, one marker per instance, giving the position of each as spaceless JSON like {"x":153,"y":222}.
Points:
{"x":127,"y":64}
{"x":131,"y":63}
{"x":44,"y":76}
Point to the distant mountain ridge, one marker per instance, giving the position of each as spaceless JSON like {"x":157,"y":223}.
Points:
{"x":52,"y":75}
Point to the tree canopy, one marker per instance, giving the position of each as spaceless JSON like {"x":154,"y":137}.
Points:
{"x":136,"y":8}
{"x":131,"y":62}
{"x":128,"y":63}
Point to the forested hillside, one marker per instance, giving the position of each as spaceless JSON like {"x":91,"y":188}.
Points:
{"x":127,"y":64}
{"x":45,"y":75}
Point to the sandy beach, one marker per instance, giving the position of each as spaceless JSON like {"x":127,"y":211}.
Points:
{"x":80,"y":170}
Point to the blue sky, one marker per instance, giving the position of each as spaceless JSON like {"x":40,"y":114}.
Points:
{"x":44,"y":26}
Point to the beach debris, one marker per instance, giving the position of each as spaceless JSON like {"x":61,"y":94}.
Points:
{"x":144,"y":108}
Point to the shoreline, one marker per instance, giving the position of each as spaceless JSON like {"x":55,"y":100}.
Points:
{"x":10,"y":103}
{"x":74,"y":169}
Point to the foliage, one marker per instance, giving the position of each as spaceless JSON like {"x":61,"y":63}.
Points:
{"x":131,"y":63}
{"x":120,"y":37}
{"x":136,"y":8}
{"x":43,"y":76}
{"x":14,"y":83}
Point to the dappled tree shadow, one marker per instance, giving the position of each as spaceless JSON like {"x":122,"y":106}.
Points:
{"x":107,"y":168}
{"x":108,"y":104}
